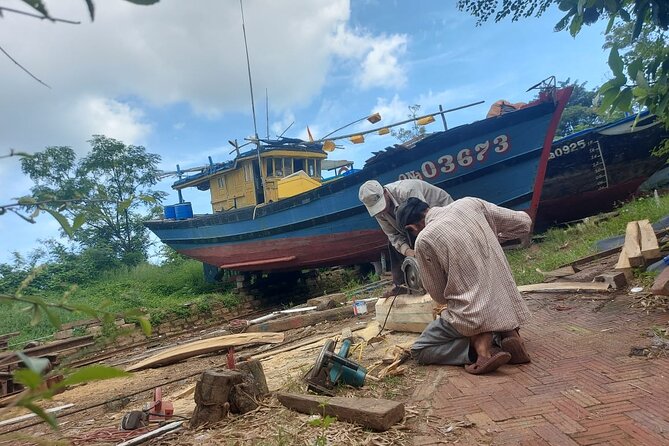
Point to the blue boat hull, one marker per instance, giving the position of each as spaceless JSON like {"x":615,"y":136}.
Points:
{"x":501,"y":159}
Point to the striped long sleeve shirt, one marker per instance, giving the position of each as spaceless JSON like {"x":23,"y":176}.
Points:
{"x":463,"y":265}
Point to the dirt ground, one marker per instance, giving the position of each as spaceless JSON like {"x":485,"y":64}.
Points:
{"x":598,"y":376}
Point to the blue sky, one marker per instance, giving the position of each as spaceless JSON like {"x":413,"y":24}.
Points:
{"x":172,"y":77}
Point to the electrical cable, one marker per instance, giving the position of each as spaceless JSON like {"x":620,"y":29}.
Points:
{"x":397,"y":293}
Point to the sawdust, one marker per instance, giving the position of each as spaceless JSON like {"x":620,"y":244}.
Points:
{"x":649,"y":302}
{"x":268,"y":425}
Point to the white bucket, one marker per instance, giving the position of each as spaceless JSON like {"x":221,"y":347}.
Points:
{"x":359,"y":307}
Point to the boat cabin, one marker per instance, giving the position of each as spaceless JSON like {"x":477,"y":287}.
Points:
{"x":277,"y":170}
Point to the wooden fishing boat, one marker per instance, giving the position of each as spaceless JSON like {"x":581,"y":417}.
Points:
{"x":273,"y":212}
{"x":589,"y":171}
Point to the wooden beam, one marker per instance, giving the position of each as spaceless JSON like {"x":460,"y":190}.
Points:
{"x":650,"y":249}
{"x":32,"y":415}
{"x":408,"y":314}
{"x":624,"y":266}
{"x":377,"y":414}
{"x":154,"y":433}
{"x":632,"y":246}
{"x":661,"y":284}
{"x":304,"y":320}
{"x":10,"y":358}
{"x":564,"y":286}
{"x":196,"y":348}
{"x":560,"y":272}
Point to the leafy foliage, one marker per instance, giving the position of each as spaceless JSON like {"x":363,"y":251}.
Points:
{"x":40,"y":6}
{"x":107,"y":194}
{"x":636,"y":36}
{"x":581,"y":111}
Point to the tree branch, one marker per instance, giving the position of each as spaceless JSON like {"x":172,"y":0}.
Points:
{"x":23,"y":68}
{"x":37,"y":16}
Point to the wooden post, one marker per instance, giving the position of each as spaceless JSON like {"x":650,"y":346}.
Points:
{"x":632,"y":247}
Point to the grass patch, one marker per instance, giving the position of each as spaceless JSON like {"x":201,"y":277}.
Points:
{"x":161,"y":291}
{"x":564,"y":245}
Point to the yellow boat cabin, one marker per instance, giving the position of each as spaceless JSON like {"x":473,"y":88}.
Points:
{"x":276,"y":170}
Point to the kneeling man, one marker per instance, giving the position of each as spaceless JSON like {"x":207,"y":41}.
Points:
{"x":462,"y":265}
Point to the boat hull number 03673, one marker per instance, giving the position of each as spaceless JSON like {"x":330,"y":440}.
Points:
{"x":464,"y":159}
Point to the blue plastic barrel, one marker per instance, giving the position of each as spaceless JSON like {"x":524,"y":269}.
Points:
{"x":183,"y":210}
{"x":170,"y":212}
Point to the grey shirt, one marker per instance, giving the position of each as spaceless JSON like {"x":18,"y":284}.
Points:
{"x":400,"y":191}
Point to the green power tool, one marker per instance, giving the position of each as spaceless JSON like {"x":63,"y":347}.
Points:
{"x":332,"y":368}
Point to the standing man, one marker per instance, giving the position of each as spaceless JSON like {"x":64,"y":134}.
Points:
{"x":382,"y":203}
{"x":462,"y":265}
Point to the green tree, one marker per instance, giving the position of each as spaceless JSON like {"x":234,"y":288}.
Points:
{"x":581,"y":111}
{"x":405,"y":134}
{"x":643,"y":78}
{"x":108,"y":193}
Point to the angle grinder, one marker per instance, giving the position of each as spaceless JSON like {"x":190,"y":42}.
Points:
{"x":333,"y":368}
{"x":412,"y":276}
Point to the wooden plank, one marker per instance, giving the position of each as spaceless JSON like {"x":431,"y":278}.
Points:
{"x":661,"y":284}
{"x":560,"y":272}
{"x":377,"y":414}
{"x":154,"y":433}
{"x":624,"y":266}
{"x":6,"y":336}
{"x":409,"y":313}
{"x":210,"y":345}
{"x":10,"y":358}
{"x":564,"y":286}
{"x":650,"y":249}
{"x":339,"y":298}
{"x":616,"y":280}
{"x":632,"y":246}
{"x":303,"y":320}
{"x":32,"y":415}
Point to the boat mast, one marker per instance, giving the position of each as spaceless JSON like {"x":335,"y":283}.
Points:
{"x":253,"y":107}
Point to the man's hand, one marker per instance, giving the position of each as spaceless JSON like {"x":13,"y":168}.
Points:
{"x":410,"y":253}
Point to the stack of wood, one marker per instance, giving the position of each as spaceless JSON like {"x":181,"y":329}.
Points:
{"x":640,"y":247}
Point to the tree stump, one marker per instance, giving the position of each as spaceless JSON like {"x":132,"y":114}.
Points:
{"x":219,"y":392}
{"x":212,"y":393}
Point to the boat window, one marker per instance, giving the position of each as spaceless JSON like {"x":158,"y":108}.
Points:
{"x":270,"y":167}
{"x":312,"y":168}
{"x":221,"y":182}
{"x":278,"y":167}
{"x":299,"y":164}
{"x":287,"y":166}
{"x":318,"y":168}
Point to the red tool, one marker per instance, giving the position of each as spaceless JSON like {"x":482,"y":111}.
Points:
{"x":160,"y":410}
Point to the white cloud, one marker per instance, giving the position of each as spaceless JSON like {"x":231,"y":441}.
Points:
{"x":381,"y":66}
{"x":100,"y":116}
{"x":378,"y":57}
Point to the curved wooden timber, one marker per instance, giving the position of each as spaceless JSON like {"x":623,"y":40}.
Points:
{"x":196,"y":348}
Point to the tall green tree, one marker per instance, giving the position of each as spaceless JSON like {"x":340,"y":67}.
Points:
{"x":643,"y":78}
{"x":108,"y":193}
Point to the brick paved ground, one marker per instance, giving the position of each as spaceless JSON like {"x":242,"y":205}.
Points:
{"x":582,"y":387}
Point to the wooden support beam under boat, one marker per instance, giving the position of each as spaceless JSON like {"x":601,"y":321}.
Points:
{"x":258,"y":262}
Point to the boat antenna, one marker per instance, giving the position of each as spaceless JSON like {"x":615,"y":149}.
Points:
{"x":253,"y":107}
{"x":282,"y":133}
{"x":267,"y":111}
